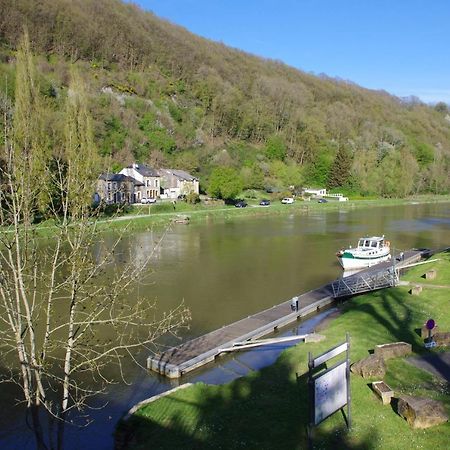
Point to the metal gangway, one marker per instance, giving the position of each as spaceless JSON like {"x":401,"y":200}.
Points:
{"x":365,"y":281}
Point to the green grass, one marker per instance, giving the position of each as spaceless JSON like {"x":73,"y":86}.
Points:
{"x":268,"y":409}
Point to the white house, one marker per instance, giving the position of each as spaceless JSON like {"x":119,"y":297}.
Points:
{"x":175,"y":183}
{"x":318,"y":192}
{"x":148,"y":181}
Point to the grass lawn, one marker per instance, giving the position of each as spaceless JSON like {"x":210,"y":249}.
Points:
{"x":268,"y":409}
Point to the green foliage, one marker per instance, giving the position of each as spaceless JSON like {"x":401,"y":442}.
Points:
{"x":424,"y":153}
{"x":398,"y":171}
{"x":175,"y":112}
{"x":258,"y":110}
{"x":148,"y":122}
{"x":114,"y":136}
{"x":441,"y":107}
{"x":287,"y":174}
{"x":224,"y":183}
{"x":252,"y":177}
{"x":160,"y":139}
{"x":318,"y":170}
{"x":192,"y":198}
{"x":339,"y":173}
{"x":276,"y":148}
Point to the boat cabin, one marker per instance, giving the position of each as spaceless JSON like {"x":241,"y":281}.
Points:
{"x":371,"y":242}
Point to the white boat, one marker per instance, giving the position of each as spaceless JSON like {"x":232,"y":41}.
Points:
{"x":369,"y":251}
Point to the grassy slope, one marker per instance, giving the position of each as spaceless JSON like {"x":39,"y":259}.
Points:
{"x":268,"y":409}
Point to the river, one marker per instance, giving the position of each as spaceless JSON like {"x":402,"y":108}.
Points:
{"x":226,"y":270}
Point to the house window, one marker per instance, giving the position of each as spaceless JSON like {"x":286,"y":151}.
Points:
{"x":109,"y":186}
{"x":156,"y":183}
{"x":148,"y":183}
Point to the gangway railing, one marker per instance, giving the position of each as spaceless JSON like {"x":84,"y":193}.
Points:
{"x":365,"y":281}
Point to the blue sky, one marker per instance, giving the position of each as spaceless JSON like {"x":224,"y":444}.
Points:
{"x":401,"y":46}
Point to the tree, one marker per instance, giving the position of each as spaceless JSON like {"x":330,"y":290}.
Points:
{"x":276,"y":148}
{"x":340,"y":170}
{"x":224,"y":183}
{"x":441,"y":107}
{"x":53,"y":301}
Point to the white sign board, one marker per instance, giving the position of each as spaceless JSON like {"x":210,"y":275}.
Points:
{"x":330,"y":392}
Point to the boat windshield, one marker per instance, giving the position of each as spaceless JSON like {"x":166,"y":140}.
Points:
{"x":361,"y":243}
{"x":373,"y":244}
{"x":366,"y":243}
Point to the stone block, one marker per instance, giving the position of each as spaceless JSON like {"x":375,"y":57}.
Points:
{"x":415,"y":290}
{"x":421,"y":412}
{"x":393,"y":350}
{"x":442,"y":338}
{"x":430,"y":275}
{"x":383,"y":391}
{"x":371,"y":367}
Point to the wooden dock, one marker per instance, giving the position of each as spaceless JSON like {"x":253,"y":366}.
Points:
{"x":197,"y":352}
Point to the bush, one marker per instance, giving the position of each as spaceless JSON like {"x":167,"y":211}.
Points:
{"x":192,"y":198}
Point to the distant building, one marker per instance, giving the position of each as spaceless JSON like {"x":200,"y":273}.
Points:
{"x":317,"y":192}
{"x":138,"y":181}
{"x":147,"y":181}
{"x":175,"y":183}
{"x":115,"y":188}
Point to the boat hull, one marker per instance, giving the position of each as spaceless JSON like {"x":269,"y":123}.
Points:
{"x":356,"y":262}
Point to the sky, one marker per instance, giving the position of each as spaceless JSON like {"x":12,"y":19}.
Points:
{"x":401,"y":46}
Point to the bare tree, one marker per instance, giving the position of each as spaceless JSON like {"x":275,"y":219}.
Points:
{"x":62,"y":321}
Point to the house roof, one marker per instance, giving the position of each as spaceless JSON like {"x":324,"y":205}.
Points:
{"x":119,"y":177}
{"x":144,"y":170}
{"x":181,"y":174}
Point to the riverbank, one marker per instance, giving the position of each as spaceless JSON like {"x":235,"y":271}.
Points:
{"x":268,"y":408}
{"x":149,"y":217}
{"x":143,"y":217}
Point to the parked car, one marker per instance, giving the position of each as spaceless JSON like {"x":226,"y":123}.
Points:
{"x":322,"y":200}
{"x":264,"y":202}
{"x":148,"y":200}
{"x":240,"y":204}
{"x":287,"y":200}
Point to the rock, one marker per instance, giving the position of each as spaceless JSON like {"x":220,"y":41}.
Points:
{"x":442,"y":338}
{"x":415,"y":290}
{"x":371,"y":367}
{"x":430,"y":275}
{"x":384,"y":391}
{"x":393,"y":350}
{"x":421,"y":412}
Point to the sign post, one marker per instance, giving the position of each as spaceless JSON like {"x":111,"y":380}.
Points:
{"x":430,"y":326}
{"x":329,"y":388}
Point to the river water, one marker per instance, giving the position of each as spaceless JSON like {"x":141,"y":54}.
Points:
{"x":225,"y":270}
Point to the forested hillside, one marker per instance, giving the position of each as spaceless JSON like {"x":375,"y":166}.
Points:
{"x":161,"y":95}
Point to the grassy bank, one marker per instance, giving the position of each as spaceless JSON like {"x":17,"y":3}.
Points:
{"x":268,"y":409}
{"x":148,"y":217}
{"x":144,"y":216}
